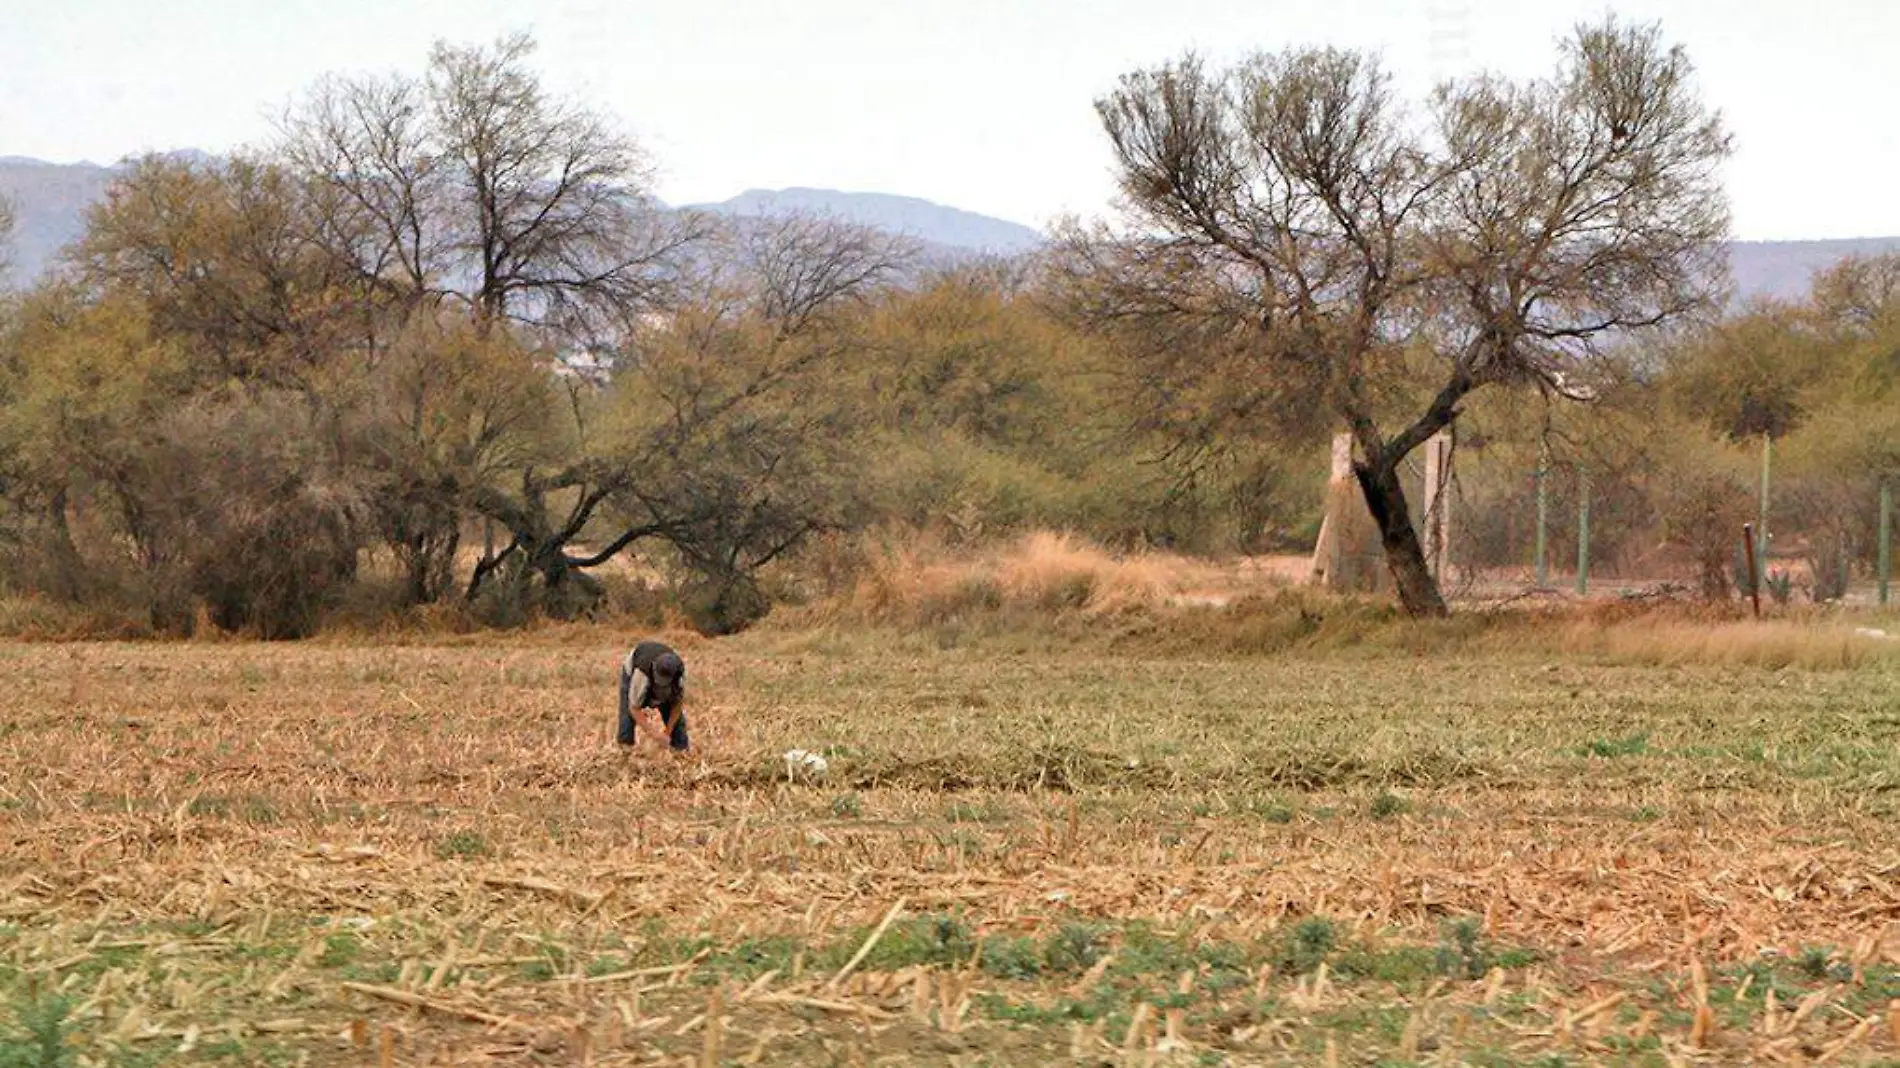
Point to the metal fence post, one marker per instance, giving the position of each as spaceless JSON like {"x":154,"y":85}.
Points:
{"x":1847,"y":570}
{"x":1885,"y":549}
{"x":1754,"y":569}
{"x":1761,"y":519}
{"x":1543,"y":515}
{"x":1583,"y":533}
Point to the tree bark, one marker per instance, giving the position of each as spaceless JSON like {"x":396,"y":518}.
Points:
{"x":1404,"y":553}
{"x":428,"y":557}
{"x":69,"y":567}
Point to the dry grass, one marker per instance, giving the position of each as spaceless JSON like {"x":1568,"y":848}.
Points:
{"x":423,"y":848}
{"x":35,"y":618}
{"x":1767,"y":643}
{"x":1050,"y":591}
{"x":912,"y":577}
{"x":292,"y":854}
{"x":1809,"y":638}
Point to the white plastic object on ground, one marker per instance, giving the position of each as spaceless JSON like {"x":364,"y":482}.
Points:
{"x":812,"y":764}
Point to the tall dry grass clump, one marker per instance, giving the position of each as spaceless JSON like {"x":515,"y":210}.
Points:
{"x":1066,"y":589}
{"x":916,"y":577}
{"x":1057,"y":570}
{"x":1721,"y":633}
{"x":1751,"y":643}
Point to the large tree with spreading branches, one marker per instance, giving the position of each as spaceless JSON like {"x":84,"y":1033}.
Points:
{"x":1299,"y":248}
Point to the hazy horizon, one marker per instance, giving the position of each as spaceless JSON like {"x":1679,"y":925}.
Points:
{"x":984,"y":106}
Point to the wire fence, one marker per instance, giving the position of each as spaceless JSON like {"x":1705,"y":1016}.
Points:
{"x":1498,"y":525}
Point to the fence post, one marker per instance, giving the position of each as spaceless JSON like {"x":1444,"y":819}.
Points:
{"x":1583,"y":533}
{"x":1847,"y":571}
{"x":1438,"y":460}
{"x":1885,"y":549}
{"x":1543,"y":514}
{"x":1761,"y":519}
{"x":1329,"y":552}
{"x":1754,"y":570}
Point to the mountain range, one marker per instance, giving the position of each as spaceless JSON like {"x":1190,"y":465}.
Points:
{"x":50,"y":202}
{"x":932,"y":224}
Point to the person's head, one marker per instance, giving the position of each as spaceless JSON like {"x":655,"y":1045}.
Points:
{"x":669,"y":675}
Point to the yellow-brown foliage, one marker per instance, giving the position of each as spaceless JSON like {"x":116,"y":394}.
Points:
{"x":1773,"y":643}
{"x":915,"y":577}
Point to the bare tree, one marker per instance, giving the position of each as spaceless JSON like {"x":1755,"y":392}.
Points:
{"x":474,"y":183}
{"x":711,"y":435}
{"x":472,"y":190}
{"x":552,"y":210}
{"x":376,"y":183}
{"x":1859,"y":291}
{"x":798,"y":266}
{"x":1289,"y":222}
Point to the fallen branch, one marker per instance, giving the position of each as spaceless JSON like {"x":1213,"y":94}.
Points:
{"x":278,"y":1027}
{"x":600,"y":899}
{"x":417,"y":1001}
{"x":646,"y":973}
{"x":865,"y":949}
{"x":544,"y":887}
{"x":354,"y":904}
{"x":1597,"y":1008}
{"x":847,"y":1007}
{"x":1859,"y":1032}
{"x":500,"y":962}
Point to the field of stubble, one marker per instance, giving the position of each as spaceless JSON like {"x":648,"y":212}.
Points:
{"x":334,"y":853}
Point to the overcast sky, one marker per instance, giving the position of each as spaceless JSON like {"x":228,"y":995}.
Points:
{"x":981,"y":104}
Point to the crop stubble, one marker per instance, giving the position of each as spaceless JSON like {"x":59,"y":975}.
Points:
{"x":344,"y":852}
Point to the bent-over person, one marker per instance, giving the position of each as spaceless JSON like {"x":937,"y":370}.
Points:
{"x":653,"y":676}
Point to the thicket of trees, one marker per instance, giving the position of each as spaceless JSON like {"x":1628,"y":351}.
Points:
{"x":437,"y":345}
{"x":1673,"y":449}
{"x":438,"y":342}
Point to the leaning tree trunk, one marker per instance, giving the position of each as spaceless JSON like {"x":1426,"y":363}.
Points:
{"x":69,"y":567}
{"x":428,"y":560}
{"x":1404,"y":553}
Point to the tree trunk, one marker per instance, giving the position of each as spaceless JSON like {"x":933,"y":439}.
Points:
{"x":547,"y":557}
{"x":69,"y":568}
{"x":1404,"y":553}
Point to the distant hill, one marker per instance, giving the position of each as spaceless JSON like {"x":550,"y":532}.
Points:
{"x":49,"y":203}
{"x":50,"y":200}
{"x":1783,"y":269}
{"x":931,"y":223}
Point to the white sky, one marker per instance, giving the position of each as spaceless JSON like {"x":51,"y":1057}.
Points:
{"x":980,"y":104}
